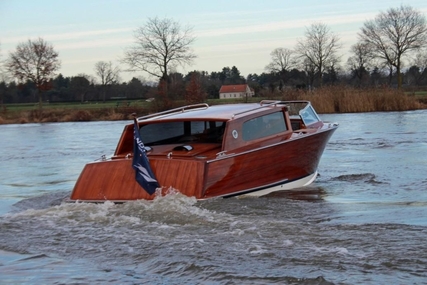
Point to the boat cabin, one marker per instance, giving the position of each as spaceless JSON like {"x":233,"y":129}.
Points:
{"x":219,"y":129}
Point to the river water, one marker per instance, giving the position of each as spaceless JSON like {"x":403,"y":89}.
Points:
{"x":364,"y":220}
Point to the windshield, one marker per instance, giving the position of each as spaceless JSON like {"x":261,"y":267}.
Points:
{"x":309,"y":116}
{"x":303,"y":110}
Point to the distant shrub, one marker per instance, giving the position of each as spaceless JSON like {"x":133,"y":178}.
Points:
{"x":79,"y":116}
{"x":113,"y":116}
{"x":23,"y":120}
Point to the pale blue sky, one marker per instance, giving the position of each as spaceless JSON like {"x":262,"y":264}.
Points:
{"x":239,"y":33}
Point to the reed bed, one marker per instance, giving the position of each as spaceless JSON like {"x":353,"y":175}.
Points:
{"x":69,"y":115}
{"x":336,"y":99}
{"x":351,"y":100}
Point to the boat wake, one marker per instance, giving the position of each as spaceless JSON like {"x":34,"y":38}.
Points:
{"x":364,"y":177}
{"x":41,"y":202}
{"x":307,"y":193}
{"x":175,"y":237}
{"x":173,"y":208}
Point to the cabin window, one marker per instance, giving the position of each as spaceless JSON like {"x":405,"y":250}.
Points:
{"x":182,"y":131}
{"x":264,"y":126}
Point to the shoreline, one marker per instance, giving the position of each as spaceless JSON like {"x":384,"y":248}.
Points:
{"x":327,"y":100}
{"x":60,"y":116}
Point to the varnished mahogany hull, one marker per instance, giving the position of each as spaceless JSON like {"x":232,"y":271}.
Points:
{"x":229,"y":175}
{"x":266,"y":167}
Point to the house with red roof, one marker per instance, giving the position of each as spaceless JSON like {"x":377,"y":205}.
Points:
{"x":235,"y":91}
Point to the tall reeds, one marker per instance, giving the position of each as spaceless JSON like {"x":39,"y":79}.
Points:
{"x":338,"y":99}
{"x":335,"y":99}
{"x":70,"y":115}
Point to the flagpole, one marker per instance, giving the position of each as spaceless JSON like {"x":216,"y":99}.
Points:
{"x":144,"y":175}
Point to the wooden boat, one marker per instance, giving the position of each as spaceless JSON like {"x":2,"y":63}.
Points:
{"x":214,"y":151}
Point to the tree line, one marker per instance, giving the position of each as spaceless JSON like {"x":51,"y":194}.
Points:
{"x":390,"y":50}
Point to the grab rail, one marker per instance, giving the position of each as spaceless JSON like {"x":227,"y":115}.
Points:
{"x":262,"y":106}
{"x":269,"y":102}
{"x":282,"y":102}
{"x":175,"y":110}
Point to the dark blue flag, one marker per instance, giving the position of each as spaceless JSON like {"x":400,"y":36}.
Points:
{"x":143,"y":173}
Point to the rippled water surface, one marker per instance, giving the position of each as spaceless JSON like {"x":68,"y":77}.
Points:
{"x":364,"y":220}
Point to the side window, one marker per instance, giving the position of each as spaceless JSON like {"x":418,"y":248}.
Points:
{"x":264,"y":126}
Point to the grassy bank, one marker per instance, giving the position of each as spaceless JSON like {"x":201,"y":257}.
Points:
{"x":68,"y":114}
{"x":325,"y":100}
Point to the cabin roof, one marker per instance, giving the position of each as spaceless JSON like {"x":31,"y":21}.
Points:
{"x":216,"y":112}
{"x":224,"y":112}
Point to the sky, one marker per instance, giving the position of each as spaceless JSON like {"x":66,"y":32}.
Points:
{"x":228,"y":33}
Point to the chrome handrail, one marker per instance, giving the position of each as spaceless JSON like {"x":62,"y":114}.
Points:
{"x":175,"y":110}
{"x":283,"y":102}
{"x":270,"y":103}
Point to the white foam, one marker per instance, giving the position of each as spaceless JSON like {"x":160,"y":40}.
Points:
{"x":256,"y":249}
{"x":337,"y":250}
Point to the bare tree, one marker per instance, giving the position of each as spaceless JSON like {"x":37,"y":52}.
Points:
{"x":160,"y":44}
{"x":282,"y":61}
{"x":310,"y":72}
{"x":418,"y":72}
{"x":360,"y":60}
{"x":2,"y":83}
{"x":1,"y":64}
{"x":36,"y":61}
{"x":394,"y":33}
{"x":108,"y":75}
{"x":319,"y":48}
{"x":3,"y":74}
{"x":421,"y":60}
{"x":107,"y":72}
